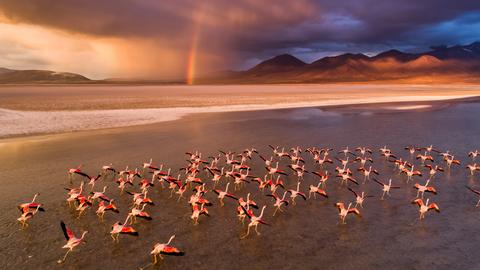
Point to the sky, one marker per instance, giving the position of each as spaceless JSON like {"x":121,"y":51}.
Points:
{"x":184,"y":39}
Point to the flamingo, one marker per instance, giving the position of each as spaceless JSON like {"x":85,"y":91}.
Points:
{"x":124,"y":172}
{"x":254,"y":220}
{"x":261,"y":183}
{"x":83,"y":203}
{"x":363,"y":150}
{"x":198,"y":199}
{"x":346,"y":177}
{"x":445,"y":154}
{"x":216,"y":159}
{"x":388,"y":155}
{"x":242,"y":165}
{"x":384,"y":150}
{"x":473,"y":167}
{"x":359,"y":198}
{"x":433,"y":170}
{"x":136,"y":212}
{"x":451,"y":161}
{"x":275,"y":170}
{"x":165,"y":249}
{"x":401,"y":165}
{"x":74,"y":193}
{"x":425,"y":188}
{"x":193,"y":155}
{"x":122,"y":228}
{"x":149,"y":165}
{"x":216,"y":176}
{"x":366,"y":173}
{"x":196,"y":212}
{"x":122,"y":182}
{"x":141,"y":198}
{"x":268,"y":162}
{"x":410,"y":173}
{"x":108,"y":168}
{"x":93,"y":180}
{"x":297,"y":150}
{"x":145,"y":184}
{"x":316,"y":189}
{"x":278,"y":153}
{"x":294,"y":193}
{"x":411,"y":149}
{"x":296,"y":159}
{"x":278,"y":202}
{"x":343,"y":170}
{"x":343,"y":161}
{"x":102,"y":208}
{"x":248,"y":202}
{"x":274,"y":186}
{"x":200,"y":189}
{"x":249,"y":152}
{"x":425,"y":207}
{"x":181,"y":190}
{"x":424,"y":157}
{"x":323,"y":177}
{"x":222,"y":194}
{"x":24,"y":207}
{"x":473,"y":154}
{"x":363,"y":160}
{"x":27,"y":215}
{"x":230,"y":160}
{"x":430,"y":149}
{"x":72,"y":240}
{"x":72,"y":171}
{"x":240,"y":178}
{"x":100,"y":195}
{"x":174,"y":183}
{"x":343,"y":212}
{"x":386,"y":188}
{"x":240,"y":213}
{"x":296,"y":166}
{"x":323,"y":160}
{"x":346,"y":151}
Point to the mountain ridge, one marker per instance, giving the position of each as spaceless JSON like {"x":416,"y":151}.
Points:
{"x":34,"y":76}
{"x":439,"y":63}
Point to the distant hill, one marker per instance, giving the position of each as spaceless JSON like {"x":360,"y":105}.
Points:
{"x":282,"y":62}
{"x":11,"y":76}
{"x":441,"y":64}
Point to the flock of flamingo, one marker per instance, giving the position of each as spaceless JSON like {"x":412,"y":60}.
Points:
{"x":229,"y":167}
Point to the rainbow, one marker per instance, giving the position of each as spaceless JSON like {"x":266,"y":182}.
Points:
{"x":192,"y":57}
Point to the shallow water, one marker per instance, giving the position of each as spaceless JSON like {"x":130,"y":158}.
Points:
{"x":306,"y":236}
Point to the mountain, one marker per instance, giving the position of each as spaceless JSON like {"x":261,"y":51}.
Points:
{"x":278,"y":63}
{"x":331,"y":62}
{"x":11,"y":76}
{"x":457,"y":52}
{"x":396,"y":55}
{"x":441,"y":64}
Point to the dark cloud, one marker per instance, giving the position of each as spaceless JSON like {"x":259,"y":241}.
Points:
{"x":256,"y":29}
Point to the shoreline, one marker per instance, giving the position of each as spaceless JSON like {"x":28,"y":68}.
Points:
{"x":21,"y":124}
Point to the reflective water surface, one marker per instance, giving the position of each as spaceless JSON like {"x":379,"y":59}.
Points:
{"x":306,"y":236}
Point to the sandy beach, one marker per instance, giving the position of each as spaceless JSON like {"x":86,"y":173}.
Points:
{"x":27,"y":110}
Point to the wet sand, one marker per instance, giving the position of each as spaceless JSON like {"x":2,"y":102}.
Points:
{"x":27,"y":110}
{"x":81,"y":97}
{"x":306,"y":236}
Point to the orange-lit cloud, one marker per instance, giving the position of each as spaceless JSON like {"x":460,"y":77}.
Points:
{"x":185,"y":38}
{"x":33,"y":47}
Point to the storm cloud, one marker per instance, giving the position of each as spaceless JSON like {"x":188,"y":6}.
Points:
{"x":233,"y":34}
